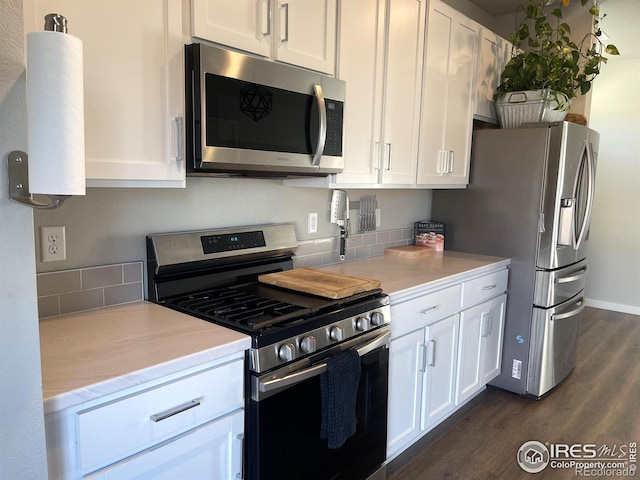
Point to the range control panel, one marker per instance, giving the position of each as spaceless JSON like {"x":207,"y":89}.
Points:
{"x":232,"y":241}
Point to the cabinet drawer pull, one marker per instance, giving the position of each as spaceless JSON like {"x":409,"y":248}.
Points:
{"x":489,"y":287}
{"x":158,"y":417}
{"x":430,"y":309}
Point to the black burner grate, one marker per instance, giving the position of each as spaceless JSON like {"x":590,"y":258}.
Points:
{"x":233,"y":305}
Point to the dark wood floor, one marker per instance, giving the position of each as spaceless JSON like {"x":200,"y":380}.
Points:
{"x":598,"y":403}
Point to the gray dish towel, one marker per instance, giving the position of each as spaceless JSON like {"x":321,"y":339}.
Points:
{"x":338,"y":391}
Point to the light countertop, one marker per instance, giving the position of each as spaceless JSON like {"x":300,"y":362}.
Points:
{"x":92,"y":354}
{"x":89,"y":355}
{"x":402,"y":277}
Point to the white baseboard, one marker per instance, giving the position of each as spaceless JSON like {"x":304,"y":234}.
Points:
{"x":616,"y":307}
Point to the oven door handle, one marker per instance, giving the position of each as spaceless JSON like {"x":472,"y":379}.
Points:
{"x":300,"y":376}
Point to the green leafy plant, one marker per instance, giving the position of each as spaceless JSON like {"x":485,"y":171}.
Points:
{"x":547,"y":58}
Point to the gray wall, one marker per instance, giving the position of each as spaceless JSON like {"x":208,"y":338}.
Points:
{"x":109,"y":225}
{"x":22,"y":443}
{"x":614,"y":247}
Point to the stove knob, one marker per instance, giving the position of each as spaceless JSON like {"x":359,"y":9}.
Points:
{"x":308,"y":344}
{"x":377,"y":319}
{"x":287,"y":352}
{"x":362,"y":324}
{"x":336,"y":334}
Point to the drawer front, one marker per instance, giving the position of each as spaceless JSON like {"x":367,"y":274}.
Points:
{"x":122,"y":427}
{"x":421,"y":311}
{"x":482,"y":288}
{"x":211,"y":451}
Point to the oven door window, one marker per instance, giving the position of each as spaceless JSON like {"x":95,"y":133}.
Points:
{"x":283,"y":431}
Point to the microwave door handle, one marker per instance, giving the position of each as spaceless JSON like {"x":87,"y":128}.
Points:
{"x":322,"y":130}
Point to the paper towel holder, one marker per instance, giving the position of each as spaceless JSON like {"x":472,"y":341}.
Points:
{"x":18,"y":163}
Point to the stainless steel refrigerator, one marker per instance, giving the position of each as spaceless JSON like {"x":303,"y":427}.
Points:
{"x":529,"y":198}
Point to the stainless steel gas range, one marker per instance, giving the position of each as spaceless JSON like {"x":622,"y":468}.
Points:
{"x":295,"y":416}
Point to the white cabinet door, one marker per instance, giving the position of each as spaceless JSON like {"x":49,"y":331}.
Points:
{"x":133,"y":87}
{"x":381,"y":45}
{"x":213,"y":450}
{"x":406,"y":371}
{"x":494,"y":332}
{"x":361,"y":63}
{"x":494,"y":53}
{"x":480,"y":347}
{"x":448,"y":97}
{"x":470,"y":371}
{"x":298,"y":32}
{"x":242,"y":24}
{"x":307,"y":33}
{"x":441,"y":361}
{"x":402,"y":91}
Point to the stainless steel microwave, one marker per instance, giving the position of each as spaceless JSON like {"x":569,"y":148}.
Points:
{"x":254,"y":117}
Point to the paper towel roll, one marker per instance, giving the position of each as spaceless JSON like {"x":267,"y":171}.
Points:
{"x":55,"y":114}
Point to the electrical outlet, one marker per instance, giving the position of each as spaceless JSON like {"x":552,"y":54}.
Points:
{"x":52,"y":244}
{"x":378,"y":217}
{"x":312,"y":222}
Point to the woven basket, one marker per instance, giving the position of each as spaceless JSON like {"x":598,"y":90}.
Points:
{"x":516,"y":108}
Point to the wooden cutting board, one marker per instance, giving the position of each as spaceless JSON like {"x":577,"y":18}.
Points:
{"x":317,"y":282}
{"x":409,"y":251}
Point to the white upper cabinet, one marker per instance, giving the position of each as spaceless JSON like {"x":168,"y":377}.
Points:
{"x":494,"y":53}
{"x":242,"y":24}
{"x":381,"y":48}
{"x":299,"y":32}
{"x":362,"y":34}
{"x":448,"y":98}
{"x":133,"y":87}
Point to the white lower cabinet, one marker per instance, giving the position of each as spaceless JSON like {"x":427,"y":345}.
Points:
{"x":481,"y":330}
{"x":422,"y":390}
{"x":405,"y":390}
{"x":209,"y":452}
{"x":446,"y":346}
{"x":440,"y":358}
{"x":187,"y":425}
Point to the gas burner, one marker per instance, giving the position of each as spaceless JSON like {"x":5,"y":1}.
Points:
{"x":239,"y":306}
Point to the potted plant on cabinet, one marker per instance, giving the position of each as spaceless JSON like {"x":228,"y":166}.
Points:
{"x":548,"y":69}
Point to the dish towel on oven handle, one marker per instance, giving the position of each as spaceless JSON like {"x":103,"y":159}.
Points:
{"x":338,"y":392}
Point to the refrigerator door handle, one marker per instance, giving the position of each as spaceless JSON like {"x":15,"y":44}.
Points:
{"x":586,"y":221}
{"x":560,"y":316}
{"x":572,"y":278}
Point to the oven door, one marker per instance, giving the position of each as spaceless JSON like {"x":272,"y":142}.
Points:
{"x":284,"y":416}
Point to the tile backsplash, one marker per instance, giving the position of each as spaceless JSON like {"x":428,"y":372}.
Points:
{"x":72,"y":291}
{"x":325,"y":251}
